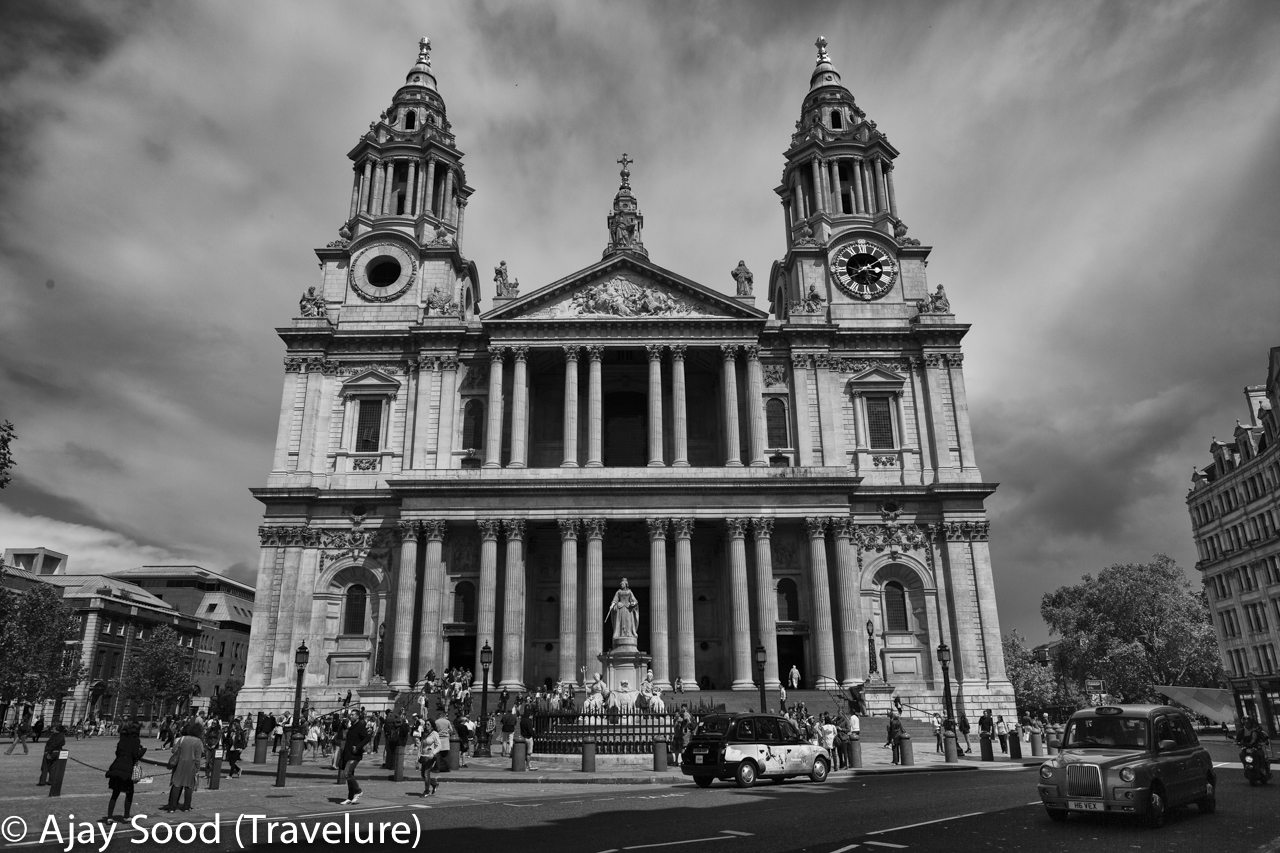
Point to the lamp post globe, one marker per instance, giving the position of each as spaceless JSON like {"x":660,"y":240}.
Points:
{"x":486,"y":660}
{"x":762,"y":658}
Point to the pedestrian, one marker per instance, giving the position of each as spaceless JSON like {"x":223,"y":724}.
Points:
{"x":964,"y":731}
{"x":1002,"y":732}
{"x":937,"y":730}
{"x":782,"y":698}
{"x":793,"y":677}
{"x":444,"y":728}
{"x":509,"y":723}
{"x":235,"y":741}
{"x":21,"y":732}
{"x":188,"y":751}
{"x":894,"y":734}
{"x":124,"y":770}
{"x":986,"y":727}
{"x":427,"y":761}
{"x":54,"y":745}
{"x":827,"y":734}
{"x":527,"y":731}
{"x":37,"y":729}
{"x":352,"y":751}
{"x":503,"y":699}
{"x":467,"y":738}
{"x":681,"y":731}
{"x":1024,"y":727}
{"x":339,"y":741}
{"x":277,"y":730}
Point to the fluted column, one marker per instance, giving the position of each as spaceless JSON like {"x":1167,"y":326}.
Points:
{"x":402,"y":623}
{"x":429,"y":201}
{"x":804,"y":429}
{"x":448,"y":406}
{"x":570,"y":407}
{"x":821,"y":628}
{"x":365,"y":180}
{"x":513,"y":606}
{"x":679,"y":410}
{"x":740,"y":603}
{"x":432,"y":595}
{"x":766,"y":598}
{"x":593,"y":606}
{"x":419,"y":193}
{"x":882,"y":203}
{"x":888,"y":185}
{"x":493,"y":432}
{"x":569,"y":599}
{"x":853,"y":647}
{"x":375,"y":192}
{"x":729,"y":379}
{"x":462,"y":218}
{"x":658,"y":636}
{"x":833,"y":167}
{"x":520,"y":408}
{"x":411,"y":189}
{"x":655,"y":405}
{"x":816,"y":173}
{"x":595,"y":412}
{"x":755,"y":405}
{"x":859,"y":202}
{"x":355,"y":194}
{"x":487,"y":606}
{"x":683,"y":530}
{"x":388,"y":185}
{"x":446,"y":199}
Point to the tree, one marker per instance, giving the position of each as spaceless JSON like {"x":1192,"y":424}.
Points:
{"x":158,"y":670}
{"x":1135,"y":626}
{"x":38,"y":635}
{"x":1034,"y":684}
{"x":223,"y":705}
{"x":7,"y":435}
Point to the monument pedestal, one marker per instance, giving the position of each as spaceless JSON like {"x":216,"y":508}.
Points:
{"x":625,"y":663}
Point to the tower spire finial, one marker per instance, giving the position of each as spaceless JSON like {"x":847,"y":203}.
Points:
{"x":625,"y":174}
{"x":821,"y":44}
{"x":424,"y":51}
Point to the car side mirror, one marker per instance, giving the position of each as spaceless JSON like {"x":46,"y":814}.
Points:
{"x":1166,"y":745}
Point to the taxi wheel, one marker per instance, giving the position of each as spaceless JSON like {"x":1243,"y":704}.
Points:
{"x":1059,"y":815}
{"x":746,"y":775}
{"x":1156,"y":810}
{"x":703,"y":781}
{"x":820,"y":770}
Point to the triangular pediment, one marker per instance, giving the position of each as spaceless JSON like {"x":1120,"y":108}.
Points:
{"x":372,"y":381}
{"x":878,"y":375}
{"x":625,"y":289}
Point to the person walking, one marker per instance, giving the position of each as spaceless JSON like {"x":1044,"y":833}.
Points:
{"x":937,"y":730}
{"x":340,"y":725}
{"x":509,"y":723}
{"x":986,"y":726}
{"x":527,"y":731}
{"x":234,"y":742}
{"x":188,"y":751}
{"x":894,"y":734}
{"x":427,"y":752}
{"x":120,"y":775}
{"x":445,"y":729}
{"x":37,"y":729}
{"x":56,"y":743}
{"x":1002,"y":732}
{"x":964,"y":732}
{"x":21,"y":732}
{"x":793,"y":677}
{"x":352,"y":751}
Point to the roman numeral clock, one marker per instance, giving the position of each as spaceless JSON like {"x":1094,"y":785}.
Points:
{"x":864,"y":270}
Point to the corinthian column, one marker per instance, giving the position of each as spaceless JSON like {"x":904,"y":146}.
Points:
{"x":822,"y":626}
{"x":432,"y":593}
{"x":595,"y":413}
{"x":487,"y":606}
{"x":520,"y":408}
{"x":655,"y":405}
{"x":570,"y":407}
{"x":740,"y":614}
{"x":658,"y":600}
{"x":493,"y":432}
{"x":730,"y":382}
{"x":593,"y":637}
{"x":448,"y":405}
{"x":852,"y":647}
{"x":683,"y":529}
{"x":679,"y":411}
{"x":402,"y":624}
{"x":569,"y":599}
{"x":766,"y":601}
{"x":513,"y":607}
{"x":755,"y":405}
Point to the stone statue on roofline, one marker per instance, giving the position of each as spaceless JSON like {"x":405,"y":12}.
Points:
{"x":935,"y":303}
{"x":743,"y":277}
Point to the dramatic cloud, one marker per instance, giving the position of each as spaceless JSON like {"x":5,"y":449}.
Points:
{"x":1099,"y":181}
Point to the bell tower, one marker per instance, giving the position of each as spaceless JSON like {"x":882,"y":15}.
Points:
{"x":848,"y":256}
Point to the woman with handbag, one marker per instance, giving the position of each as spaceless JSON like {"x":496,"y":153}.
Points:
{"x":430,"y":747}
{"x":125,"y":770}
{"x":188,"y":750}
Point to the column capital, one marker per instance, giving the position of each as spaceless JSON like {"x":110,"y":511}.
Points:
{"x":569,"y":528}
{"x":955,"y":359}
{"x":752,"y":351}
{"x":497,"y":353}
{"x":657,"y":527}
{"x":800,"y":360}
{"x":571,"y":352}
{"x":933,"y":359}
{"x":842,"y":526}
{"x":434,"y":529}
{"x":817,"y":527}
{"x":489,"y":527}
{"x":737,"y":527}
{"x":654,"y":351}
{"x":677,"y":352}
{"x":595,"y":353}
{"x":729,"y":351}
{"x":593,"y":527}
{"x":762,"y":527}
{"x":448,"y":362}
{"x":406,"y":529}
{"x":682,"y":527}
{"x":521,"y":353}
{"x":514,"y":528}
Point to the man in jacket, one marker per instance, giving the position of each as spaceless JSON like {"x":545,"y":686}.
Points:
{"x":55,"y":744}
{"x":895,"y":736}
{"x":357,"y":739}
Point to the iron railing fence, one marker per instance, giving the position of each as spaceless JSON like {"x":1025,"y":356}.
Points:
{"x":615,"y":732}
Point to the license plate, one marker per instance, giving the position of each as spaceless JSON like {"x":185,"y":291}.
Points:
{"x":1084,"y":806}
{"x":699,"y":752}
{"x":699,"y":759}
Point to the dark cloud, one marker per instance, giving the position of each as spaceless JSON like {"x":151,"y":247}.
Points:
{"x":89,"y":457}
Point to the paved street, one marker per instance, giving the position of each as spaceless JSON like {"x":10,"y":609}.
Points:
{"x":972,"y":808}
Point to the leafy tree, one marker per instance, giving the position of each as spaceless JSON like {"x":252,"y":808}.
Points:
{"x":223,"y":705}
{"x":38,"y":656}
{"x":1034,"y":684}
{"x":1136,"y":625}
{"x":7,"y":435}
{"x":158,"y":670}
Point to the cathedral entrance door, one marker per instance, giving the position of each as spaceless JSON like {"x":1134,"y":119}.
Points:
{"x":791,"y":653}
{"x":626,"y":442}
{"x":462,"y":653}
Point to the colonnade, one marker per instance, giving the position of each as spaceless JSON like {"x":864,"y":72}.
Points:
{"x":374,"y":187}
{"x":671,"y":593}
{"x":868,"y":181}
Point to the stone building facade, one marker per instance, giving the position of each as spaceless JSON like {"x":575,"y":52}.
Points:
{"x":798,"y":477}
{"x":1235,"y":517}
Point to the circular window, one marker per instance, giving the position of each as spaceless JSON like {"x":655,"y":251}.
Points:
{"x":383,"y":271}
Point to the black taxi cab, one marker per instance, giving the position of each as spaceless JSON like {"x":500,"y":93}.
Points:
{"x":1141,"y":760}
{"x":747,"y":747}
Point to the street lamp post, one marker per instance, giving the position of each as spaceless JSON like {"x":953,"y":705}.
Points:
{"x":944,"y":658}
{"x":871,"y":649}
{"x":298,"y":737}
{"x":486,"y":659}
{"x":762,"y":657}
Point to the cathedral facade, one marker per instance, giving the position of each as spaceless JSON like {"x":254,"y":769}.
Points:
{"x":794,"y":482}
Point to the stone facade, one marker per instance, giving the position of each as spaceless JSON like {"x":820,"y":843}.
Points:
{"x":1235,"y":516}
{"x":792,"y":478}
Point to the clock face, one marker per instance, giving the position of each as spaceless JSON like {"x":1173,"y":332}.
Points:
{"x":382,"y":271}
{"x":864,"y":270}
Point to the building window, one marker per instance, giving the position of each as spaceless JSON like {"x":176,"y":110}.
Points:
{"x":895,"y":607}
{"x":369,"y":426}
{"x":410,"y":120}
{"x":788,"y":601}
{"x":775,"y":418}
{"x":473,"y":425}
{"x":836,"y":121}
{"x":464,"y":602}
{"x":353,"y":613}
{"x":880,"y":423}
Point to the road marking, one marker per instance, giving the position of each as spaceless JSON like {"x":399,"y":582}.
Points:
{"x":725,"y":835}
{"x":887,"y":844}
{"x":845,"y":848}
{"x":523,"y":805}
{"x":736,"y":832}
{"x":926,"y":823}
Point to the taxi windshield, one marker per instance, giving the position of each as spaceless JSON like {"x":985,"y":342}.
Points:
{"x":1106,"y":732}
{"x":714,"y":725}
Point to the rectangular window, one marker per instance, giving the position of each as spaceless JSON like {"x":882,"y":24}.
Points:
{"x":880,"y":423}
{"x":369,"y":426}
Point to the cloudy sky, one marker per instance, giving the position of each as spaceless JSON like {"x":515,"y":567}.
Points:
{"x":1100,"y":181}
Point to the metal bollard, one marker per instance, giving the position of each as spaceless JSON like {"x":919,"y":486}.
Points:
{"x":57,"y":769}
{"x":296,"y":746}
{"x":589,"y":754}
{"x":659,"y":756}
{"x":949,"y":752}
{"x":905,"y":756}
{"x":1058,"y":731}
{"x":1036,"y":749}
{"x":519,"y":754}
{"x":1015,"y":744}
{"x":984,"y":747}
{"x":455,"y":752}
{"x":855,"y":753}
{"x":260,"y":749}
{"x":215,"y":770}
{"x":282,"y":767}
{"x":397,"y":764}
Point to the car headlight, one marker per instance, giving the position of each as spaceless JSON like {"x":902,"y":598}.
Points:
{"x":1127,"y":774}
{"x":1046,"y":771}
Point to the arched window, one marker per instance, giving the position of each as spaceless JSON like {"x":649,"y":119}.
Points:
{"x":353,"y":610}
{"x":836,"y":121}
{"x":464,"y":602}
{"x":410,"y":120}
{"x":775,"y":418}
{"x":473,"y":425}
{"x":895,"y":607}
{"x":788,"y":601}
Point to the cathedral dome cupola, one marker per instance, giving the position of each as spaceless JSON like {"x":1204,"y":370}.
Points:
{"x":625,"y":221}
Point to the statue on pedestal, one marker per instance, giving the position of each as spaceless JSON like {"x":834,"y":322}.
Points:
{"x":625,"y":611}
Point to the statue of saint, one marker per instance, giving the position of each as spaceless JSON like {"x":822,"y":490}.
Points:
{"x":625,"y":610}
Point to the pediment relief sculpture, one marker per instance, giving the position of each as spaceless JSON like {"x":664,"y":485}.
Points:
{"x":623,"y":296}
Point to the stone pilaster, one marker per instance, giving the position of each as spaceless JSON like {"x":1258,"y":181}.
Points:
{"x":593,"y":636}
{"x":493,"y":431}
{"x":822,"y":626}
{"x":448,"y":406}
{"x":520,"y":408}
{"x":679,"y":410}
{"x":766,"y":599}
{"x":402,"y":622}
{"x":804,"y":429}
{"x":740,"y":604}
{"x":569,"y":599}
{"x":683,"y":530}
{"x":658,"y":601}
{"x":513,"y":604}
{"x":433,"y":582}
{"x":487,"y":606}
